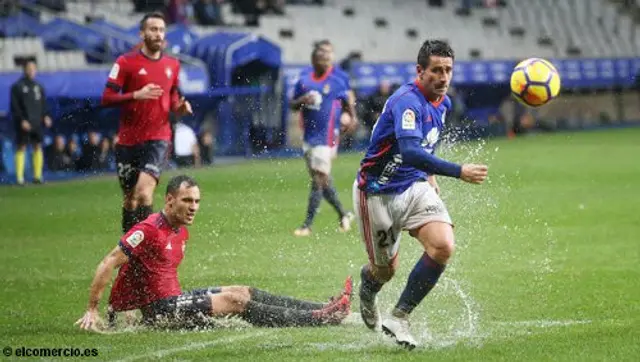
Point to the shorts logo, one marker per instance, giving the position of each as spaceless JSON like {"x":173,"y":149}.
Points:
{"x":114,"y":71}
{"x":408,"y":120}
{"x":136,"y":238}
{"x":433,"y":209}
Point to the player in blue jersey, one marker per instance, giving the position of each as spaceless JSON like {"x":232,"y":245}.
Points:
{"x":396,"y":190}
{"x":327,"y":47}
{"x":319,"y":95}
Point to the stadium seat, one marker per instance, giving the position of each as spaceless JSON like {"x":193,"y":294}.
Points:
{"x":544,"y":28}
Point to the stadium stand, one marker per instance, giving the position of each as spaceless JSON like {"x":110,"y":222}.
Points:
{"x":14,"y":49}
{"x":386,"y":30}
{"x":238,"y":76}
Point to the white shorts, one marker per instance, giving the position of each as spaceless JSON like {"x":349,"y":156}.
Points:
{"x":383,"y":217}
{"x":319,"y":158}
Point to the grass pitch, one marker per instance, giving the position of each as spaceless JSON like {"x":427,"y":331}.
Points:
{"x":547,"y":265}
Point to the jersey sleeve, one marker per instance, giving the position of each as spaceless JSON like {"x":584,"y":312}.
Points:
{"x":346,"y":79}
{"x":118,"y":74}
{"x":116,"y":81}
{"x":298,"y":89}
{"x":343,"y":93}
{"x":138,"y":240}
{"x":407,"y":118}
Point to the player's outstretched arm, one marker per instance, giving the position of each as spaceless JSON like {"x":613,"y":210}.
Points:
{"x":413,"y":154}
{"x":113,"y":260}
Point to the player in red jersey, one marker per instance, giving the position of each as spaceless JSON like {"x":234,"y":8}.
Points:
{"x":145,"y":85}
{"x":148,"y":257}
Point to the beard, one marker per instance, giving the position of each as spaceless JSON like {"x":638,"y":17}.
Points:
{"x":153,"y":45}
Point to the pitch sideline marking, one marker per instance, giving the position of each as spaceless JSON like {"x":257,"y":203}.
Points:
{"x":193,"y":346}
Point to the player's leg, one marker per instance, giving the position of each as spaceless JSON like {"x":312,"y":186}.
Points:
{"x":264,"y":297}
{"x":128,"y":173}
{"x":329,"y":192}
{"x":429,"y":222}
{"x":315,"y":194}
{"x":381,"y":238}
{"x":268,"y":315}
{"x":152,"y":158}
{"x":190,"y":307}
{"x":22,"y":139}
{"x":37,"y":156}
{"x":331,"y":195}
{"x":324,"y":157}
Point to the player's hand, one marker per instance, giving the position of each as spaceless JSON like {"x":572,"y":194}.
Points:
{"x":307,"y":99}
{"x":349,"y":124}
{"x":184,"y":107}
{"x":91,"y":321}
{"x":47,"y":121}
{"x":474,"y":174}
{"x":149,"y":91}
{"x":26,"y":126}
{"x":432,"y":181}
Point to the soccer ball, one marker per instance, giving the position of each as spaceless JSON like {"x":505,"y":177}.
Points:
{"x":535,"y":82}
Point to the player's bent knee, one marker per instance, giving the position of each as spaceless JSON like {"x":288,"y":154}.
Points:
{"x":441,"y":251}
{"x":383,"y":273}
{"x":238,"y":299}
{"x":321,"y":179}
{"x":243,"y":291}
{"x":129,"y":202}
{"x":223,"y":304}
{"x":143,"y":193}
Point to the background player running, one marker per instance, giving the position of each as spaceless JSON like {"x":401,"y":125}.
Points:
{"x":319,"y":95}
{"x":396,"y":190}
{"x":145,"y":84}
{"x":148,"y":257}
{"x":326,"y":46}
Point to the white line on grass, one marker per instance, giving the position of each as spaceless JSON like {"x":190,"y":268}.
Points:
{"x":192,"y":346}
{"x":542,"y":323}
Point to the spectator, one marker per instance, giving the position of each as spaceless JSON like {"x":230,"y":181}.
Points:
{"x":90,"y":152}
{"x":186,"y":150}
{"x":147,"y":6}
{"x":179,"y":11}
{"x":73,"y":151}
{"x":207,"y":12}
{"x":206,"y":148}
{"x":106,"y":156}
{"x":251,"y":10}
{"x":374,"y":104}
{"x":57,"y":157}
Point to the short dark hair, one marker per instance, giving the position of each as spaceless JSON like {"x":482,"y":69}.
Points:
{"x":434,"y":47}
{"x":26,"y":62}
{"x":322,"y":42}
{"x":152,"y":15}
{"x":176,"y":182}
